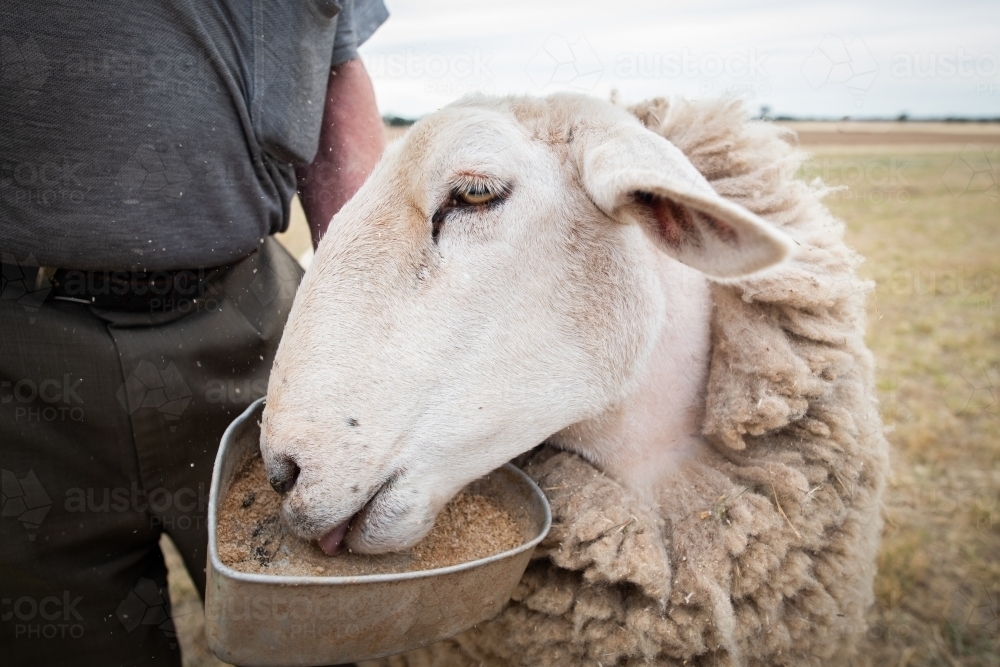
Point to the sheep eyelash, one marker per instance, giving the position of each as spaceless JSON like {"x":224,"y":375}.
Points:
{"x":479,"y":184}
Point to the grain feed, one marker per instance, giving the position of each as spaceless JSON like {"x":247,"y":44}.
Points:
{"x":252,"y":537}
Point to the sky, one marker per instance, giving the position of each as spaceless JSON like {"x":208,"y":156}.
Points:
{"x":804,"y":59}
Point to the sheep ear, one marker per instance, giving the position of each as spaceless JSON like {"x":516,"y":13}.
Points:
{"x":637,"y":176}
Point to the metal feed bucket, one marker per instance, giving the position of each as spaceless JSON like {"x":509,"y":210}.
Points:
{"x":265,"y":620}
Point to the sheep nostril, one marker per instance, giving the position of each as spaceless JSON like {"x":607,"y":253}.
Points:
{"x":284,"y":478}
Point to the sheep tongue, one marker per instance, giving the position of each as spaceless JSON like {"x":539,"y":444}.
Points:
{"x":331,"y":542}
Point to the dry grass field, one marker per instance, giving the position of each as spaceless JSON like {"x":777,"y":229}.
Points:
{"x":921,"y":203}
{"x":927,"y":218}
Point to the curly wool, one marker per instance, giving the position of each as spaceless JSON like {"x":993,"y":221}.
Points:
{"x":764,"y":555}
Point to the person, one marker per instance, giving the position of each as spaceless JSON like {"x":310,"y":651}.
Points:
{"x":148,"y":153}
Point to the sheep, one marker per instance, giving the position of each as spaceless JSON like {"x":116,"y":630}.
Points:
{"x":653,"y":293}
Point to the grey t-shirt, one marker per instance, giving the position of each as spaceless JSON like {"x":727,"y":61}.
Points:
{"x":161,"y":135}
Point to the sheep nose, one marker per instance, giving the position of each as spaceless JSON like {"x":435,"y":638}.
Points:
{"x":282,"y":477}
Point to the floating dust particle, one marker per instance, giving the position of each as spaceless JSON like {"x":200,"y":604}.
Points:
{"x":252,"y":537}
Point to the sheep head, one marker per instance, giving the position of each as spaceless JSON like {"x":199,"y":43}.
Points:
{"x":494,"y":282}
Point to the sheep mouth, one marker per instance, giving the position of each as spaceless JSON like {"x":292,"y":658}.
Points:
{"x":375,"y":511}
{"x":332,"y":542}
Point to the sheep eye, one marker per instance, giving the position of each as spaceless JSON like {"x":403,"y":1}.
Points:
{"x":469,"y":192}
{"x":476,"y":196}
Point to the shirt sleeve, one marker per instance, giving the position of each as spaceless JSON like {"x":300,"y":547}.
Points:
{"x":356,"y":22}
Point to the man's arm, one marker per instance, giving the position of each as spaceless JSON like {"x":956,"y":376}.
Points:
{"x":350,"y":143}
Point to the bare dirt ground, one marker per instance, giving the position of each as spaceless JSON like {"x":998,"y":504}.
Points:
{"x":921,"y":203}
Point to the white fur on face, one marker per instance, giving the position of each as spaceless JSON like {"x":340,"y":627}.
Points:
{"x":411,"y":365}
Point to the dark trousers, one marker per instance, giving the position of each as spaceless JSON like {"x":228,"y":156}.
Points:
{"x":109,"y":425}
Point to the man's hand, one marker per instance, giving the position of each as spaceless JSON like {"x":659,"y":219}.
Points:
{"x":350,"y":143}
